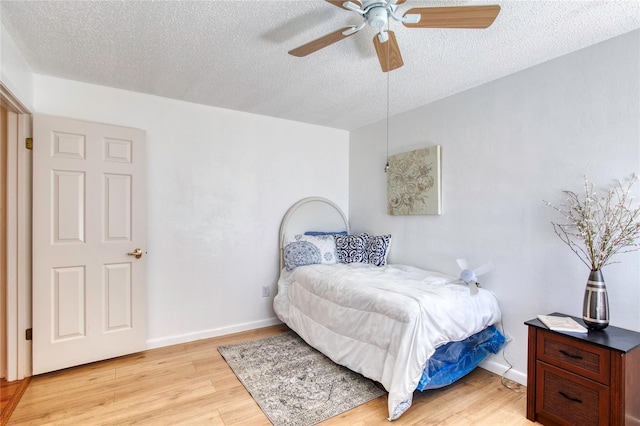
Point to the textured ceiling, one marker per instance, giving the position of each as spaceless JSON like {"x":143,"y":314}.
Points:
{"x":233,"y":54}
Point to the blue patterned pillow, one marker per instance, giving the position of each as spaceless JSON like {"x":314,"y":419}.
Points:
{"x":377,"y":249}
{"x":301,"y":250}
{"x":351,"y":248}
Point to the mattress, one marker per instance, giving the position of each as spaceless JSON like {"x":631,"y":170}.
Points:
{"x":382,"y":322}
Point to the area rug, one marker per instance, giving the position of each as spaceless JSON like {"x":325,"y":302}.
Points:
{"x":294,"y":384}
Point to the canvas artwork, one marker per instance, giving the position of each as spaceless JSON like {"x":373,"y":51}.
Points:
{"x":413,"y":182}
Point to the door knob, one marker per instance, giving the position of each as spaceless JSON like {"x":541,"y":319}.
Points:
{"x":137,"y":253}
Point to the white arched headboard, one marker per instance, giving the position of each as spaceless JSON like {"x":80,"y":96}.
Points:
{"x":311,"y":214}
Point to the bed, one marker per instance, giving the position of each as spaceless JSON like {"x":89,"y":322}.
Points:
{"x":401,"y":326}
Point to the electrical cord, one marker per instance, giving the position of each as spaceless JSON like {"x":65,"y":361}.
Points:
{"x":507,"y":383}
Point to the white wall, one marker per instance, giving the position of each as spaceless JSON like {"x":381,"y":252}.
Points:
{"x":506,"y":146}
{"x":219,"y":182}
{"x":15,"y":72}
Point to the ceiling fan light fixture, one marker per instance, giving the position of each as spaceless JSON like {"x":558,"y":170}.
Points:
{"x":377,"y":17}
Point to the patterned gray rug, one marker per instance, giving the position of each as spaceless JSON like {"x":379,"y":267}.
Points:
{"x":294,"y":384}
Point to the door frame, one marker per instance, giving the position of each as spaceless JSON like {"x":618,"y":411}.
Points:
{"x":19,"y":190}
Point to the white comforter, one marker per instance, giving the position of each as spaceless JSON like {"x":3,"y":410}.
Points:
{"x":382,"y":322}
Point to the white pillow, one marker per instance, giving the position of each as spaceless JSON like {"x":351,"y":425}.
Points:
{"x":300,"y":250}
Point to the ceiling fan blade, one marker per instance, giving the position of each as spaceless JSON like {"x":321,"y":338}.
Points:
{"x":340,"y":3}
{"x":462,"y":264}
{"x":321,"y":42}
{"x":454,"y":17}
{"x":388,"y":52}
{"x":483,"y":269}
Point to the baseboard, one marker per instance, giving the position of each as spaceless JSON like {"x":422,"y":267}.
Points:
{"x":499,"y":369}
{"x":489,"y":365}
{"x":207,"y":334}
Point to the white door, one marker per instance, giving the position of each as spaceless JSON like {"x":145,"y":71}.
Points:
{"x":88,"y":219}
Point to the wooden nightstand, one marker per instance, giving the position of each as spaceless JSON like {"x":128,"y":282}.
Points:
{"x":583,"y":379}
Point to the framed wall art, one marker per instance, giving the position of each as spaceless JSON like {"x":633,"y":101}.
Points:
{"x":413,"y":182}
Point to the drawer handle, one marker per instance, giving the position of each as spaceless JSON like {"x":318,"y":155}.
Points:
{"x":570,"y":398}
{"x":570,"y":355}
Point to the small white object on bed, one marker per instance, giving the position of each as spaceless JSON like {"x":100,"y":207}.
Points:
{"x":383,"y":322}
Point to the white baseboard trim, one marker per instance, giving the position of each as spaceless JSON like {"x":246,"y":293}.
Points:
{"x":499,"y":369}
{"x":207,"y":334}
{"x":489,"y":365}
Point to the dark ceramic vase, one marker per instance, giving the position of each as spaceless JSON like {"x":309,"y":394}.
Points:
{"x":595,"y":308}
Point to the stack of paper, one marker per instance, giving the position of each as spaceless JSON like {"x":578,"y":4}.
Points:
{"x":562,"y":324}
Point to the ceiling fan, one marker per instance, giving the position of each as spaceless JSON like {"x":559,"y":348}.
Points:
{"x":376,"y":14}
{"x":470,"y":276}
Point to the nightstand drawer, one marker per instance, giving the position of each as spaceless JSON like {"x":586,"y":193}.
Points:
{"x":568,"y":399}
{"x":574,"y":355}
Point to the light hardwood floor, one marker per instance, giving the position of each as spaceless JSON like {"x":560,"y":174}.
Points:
{"x":191,"y":384}
{"x":10,"y":394}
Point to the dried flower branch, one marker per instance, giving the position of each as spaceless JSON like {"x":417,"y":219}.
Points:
{"x":599,"y":227}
